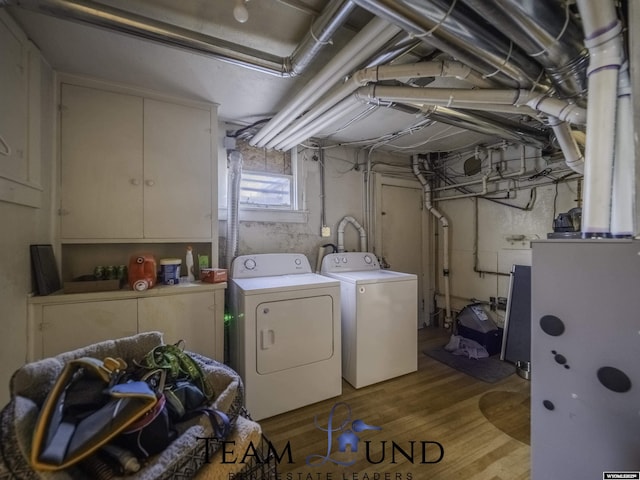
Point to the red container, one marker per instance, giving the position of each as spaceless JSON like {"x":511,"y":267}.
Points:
{"x":213,"y":275}
{"x":142,"y":272}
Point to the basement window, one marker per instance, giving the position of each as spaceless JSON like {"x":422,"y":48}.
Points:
{"x":271,"y":186}
{"x":266,"y":190}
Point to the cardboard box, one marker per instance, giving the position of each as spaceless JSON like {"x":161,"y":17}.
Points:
{"x":213,"y":275}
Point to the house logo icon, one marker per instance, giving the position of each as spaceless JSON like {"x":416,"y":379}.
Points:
{"x":340,"y":425}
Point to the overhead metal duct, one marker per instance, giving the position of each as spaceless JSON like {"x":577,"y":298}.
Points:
{"x":111,"y":18}
{"x":362,"y":47}
{"x":456,"y":30}
{"x":545,"y":30}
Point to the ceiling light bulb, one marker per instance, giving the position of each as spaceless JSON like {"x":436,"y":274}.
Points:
{"x":240,"y":12}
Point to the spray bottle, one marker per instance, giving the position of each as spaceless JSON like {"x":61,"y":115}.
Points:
{"x":190,"y":275}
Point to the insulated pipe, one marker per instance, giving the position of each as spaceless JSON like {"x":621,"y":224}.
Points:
{"x":624,"y":165}
{"x":445,"y":237}
{"x":342,"y":109}
{"x":456,"y":30}
{"x":360,"y":228}
{"x":545,"y":30}
{"x":324,"y":27}
{"x":464,"y":98}
{"x":233,"y":202}
{"x":572,"y":155}
{"x":104,"y":16}
{"x":602,"y":31}
{"x":372,"y":74}
{"x":373,"y":36}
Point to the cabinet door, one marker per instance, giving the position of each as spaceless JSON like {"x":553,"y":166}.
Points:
{"x":101,"y":164}
{"x":13,"y":103}
{"x":69,"y":326}
{"x":177,"y":169}
{"x":189,"y":317}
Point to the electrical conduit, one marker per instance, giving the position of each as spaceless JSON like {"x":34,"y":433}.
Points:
{"x":445,"y":240}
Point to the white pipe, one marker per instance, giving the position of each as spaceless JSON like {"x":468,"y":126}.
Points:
{"x":369,"y":40}
{"x":445,"y":237}
{"x":624,"y":165}
{"x":360,"y":228}
{"x":602,"y":37}
{"x":338,"y":111}
{"x":572,"y":155}
{"x":484,"y":191}
{"x":362,"y":77}
{"x":465,"y":98}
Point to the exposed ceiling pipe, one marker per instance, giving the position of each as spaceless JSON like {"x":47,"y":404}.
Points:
{"x":602,"y":32}
{"x":324,"y":27}
{"x":545,"y":31}
{"x":572,"y":155}
{"x":374,"y":74}
{"x":488,"y":124}
{"x":112,"y":18}
{"x":369,"y":40}
{"x":475,"y":99}
{"x":624,"y":165}
{"x":456,"y":30}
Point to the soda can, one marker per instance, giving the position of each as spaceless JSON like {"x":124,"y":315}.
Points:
{"x":110,"y":272}
{"x":121,"y":272}
{"x":99,"y":272}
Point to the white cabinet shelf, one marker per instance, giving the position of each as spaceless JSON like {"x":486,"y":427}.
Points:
{"x":190,"y":312}
{"x":134,"y":168}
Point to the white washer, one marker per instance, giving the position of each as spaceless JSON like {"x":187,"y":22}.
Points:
{"x":379,"y":318}
{"x":284,"y":332}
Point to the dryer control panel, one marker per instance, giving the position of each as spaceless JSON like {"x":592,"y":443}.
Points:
{"x":269,"y":264}
{"x":349,"y":262}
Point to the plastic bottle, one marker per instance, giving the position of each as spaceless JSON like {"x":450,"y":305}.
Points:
{"x":190,"y":275}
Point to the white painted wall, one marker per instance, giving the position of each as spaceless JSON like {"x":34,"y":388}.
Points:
{"x":496,"y":223}
{"x":22,"y":226}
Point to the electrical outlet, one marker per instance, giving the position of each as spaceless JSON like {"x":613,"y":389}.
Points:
{"x":326,"y":231}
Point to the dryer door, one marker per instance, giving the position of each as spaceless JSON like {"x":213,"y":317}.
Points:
{"x":293,"y":332}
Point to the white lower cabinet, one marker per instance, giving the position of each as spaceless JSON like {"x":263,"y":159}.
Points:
{"x":59,"y":323}
{"x":69,"y":326}
{"x":185,"y":317}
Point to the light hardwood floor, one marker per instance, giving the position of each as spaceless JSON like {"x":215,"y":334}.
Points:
{"x":434,"y":404}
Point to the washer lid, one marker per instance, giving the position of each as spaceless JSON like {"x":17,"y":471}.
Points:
{"x":375,"y":276}
{"x":284,"y":283}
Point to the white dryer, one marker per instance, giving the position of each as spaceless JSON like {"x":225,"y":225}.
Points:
{"x":284,"y":332}
{"x":379,"y":318}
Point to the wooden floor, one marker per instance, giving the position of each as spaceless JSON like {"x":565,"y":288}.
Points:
{"x":435,"y":405}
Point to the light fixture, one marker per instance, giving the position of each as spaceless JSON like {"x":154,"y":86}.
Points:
{"x":240,"y":12}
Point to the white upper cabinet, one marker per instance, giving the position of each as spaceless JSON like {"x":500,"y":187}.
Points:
{"x":177,"y":171}
{"x":134,"y":168}
{"x":101,"y":171}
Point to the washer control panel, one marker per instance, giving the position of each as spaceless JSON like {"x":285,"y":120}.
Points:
{"x":269,"y":264}
{"x":349,"y":262}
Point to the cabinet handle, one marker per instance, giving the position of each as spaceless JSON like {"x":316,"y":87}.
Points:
{"x":150,"y":183}
{"x":135,"y":181}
